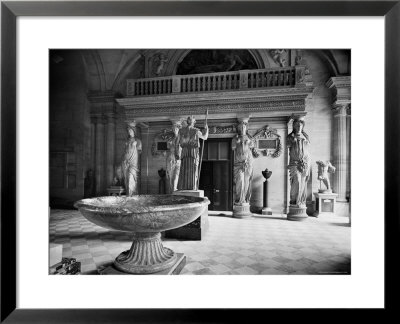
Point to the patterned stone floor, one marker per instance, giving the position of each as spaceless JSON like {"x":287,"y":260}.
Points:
{"x":231,"y":246}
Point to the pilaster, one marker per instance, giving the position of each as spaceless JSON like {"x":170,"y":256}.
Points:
{"x":341,"y":89}
{"x":103,"y":119}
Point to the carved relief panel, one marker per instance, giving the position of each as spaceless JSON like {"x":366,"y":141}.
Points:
{"x":267,"y":142}
{"x":160,"y":142}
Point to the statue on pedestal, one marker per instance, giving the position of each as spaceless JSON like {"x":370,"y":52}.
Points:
{"x":243,"y":164}
{"x":188,"y":139}
{"x":130,"y":161}
{"x":173,"y":161}
{"x":323,"y":169}
{"x":299,"y":163}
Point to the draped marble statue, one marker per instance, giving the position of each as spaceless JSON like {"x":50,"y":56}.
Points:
{"x":299,"y":163}
{"x":173,"y":161}
{"x":243,"y":164}
{"x":188,"y":139}
{"x":130,"y":161}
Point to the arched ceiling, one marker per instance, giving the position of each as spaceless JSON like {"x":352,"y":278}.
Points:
{"x":107,"y":69}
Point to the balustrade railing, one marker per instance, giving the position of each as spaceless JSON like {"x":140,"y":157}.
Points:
{"x":291,"y":76}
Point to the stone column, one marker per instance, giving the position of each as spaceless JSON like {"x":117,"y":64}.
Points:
{"x":348,"y":146}
{"x":110,"y":152}
{"x":101,"y":106}
{"x":99,"y":156}
{"x":340,"y":150}
{"x":341,"y":90}
{"x":93,"y":126}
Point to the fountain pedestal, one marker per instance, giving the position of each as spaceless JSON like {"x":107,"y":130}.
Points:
{"x":175,"y":269}
{"x":145,"y":216}
{"x":194,"y":230}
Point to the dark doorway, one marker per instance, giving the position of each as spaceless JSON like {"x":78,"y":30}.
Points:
{"x":216,"y":174}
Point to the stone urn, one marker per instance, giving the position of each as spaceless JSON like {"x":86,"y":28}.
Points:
{"x":266,"y":174}
{"x":145,"y":216}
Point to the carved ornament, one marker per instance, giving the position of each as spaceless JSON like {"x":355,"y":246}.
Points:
{"x":267,"y":142}
{"x":159,"y":146}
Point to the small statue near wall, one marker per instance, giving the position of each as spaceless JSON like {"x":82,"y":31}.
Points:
{"x":130,"y":161}
{"x":278,"y":56}
{"x":173,"y":161}
{"x":118,"y":178}
{"x":159,"y":61}
{"x":324,"y":168}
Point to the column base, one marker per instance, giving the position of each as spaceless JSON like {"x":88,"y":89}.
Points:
{"x":242,"y":211}
{"x":297,"y":213}
{"x":266,"y":211}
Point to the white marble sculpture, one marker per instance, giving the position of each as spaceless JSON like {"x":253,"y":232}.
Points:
{"x":299,"y":163}
{"x":188,"y":139}
{"x":324,"y":168}
{"x":243,"y":164}
{"x":130,"y":161}
{"x":173,"y":161}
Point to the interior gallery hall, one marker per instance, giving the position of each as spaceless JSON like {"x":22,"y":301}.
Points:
{"x":200,"y":162}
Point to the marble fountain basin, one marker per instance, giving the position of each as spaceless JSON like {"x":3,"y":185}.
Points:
{"x":145,"y":216}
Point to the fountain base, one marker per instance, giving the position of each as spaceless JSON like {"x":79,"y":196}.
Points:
{"x":146,"y":255}
{"x":175,"y":269}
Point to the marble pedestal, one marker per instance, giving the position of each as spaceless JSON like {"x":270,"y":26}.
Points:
{"x":194,"y":230}
{"x":266,"y":211}
{"x":175,"y":269}
{"x":242,"y":211}
{"x":325,"y":203}
{"x":297,"y":213}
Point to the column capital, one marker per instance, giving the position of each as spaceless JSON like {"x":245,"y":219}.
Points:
{"x":111,"y":116}
{"x":340,"y":109}
{"x":95,"y":96}
{"x":243,"y":118}
{"x":341,"y":87}
{"x":93,"y":119}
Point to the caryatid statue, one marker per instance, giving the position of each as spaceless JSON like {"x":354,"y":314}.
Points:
{"x":299,"y":163}
{"x":173,"y":160}
{"x":324,"y":168}
{"x":243,"y":164}
{"x":188,"y":139}
{"x":131,"y":161}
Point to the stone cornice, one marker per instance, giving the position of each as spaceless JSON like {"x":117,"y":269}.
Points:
{"x":341,"y":87}
{"x":101,"y":96}
{"x":213,"y":97}
{"x":282,"y":101}
{"x":339,"y":82}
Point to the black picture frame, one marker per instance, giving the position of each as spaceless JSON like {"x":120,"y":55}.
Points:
{"x":10,"y":10}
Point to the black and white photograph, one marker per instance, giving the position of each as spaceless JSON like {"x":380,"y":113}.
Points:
{"x":204,"y":161}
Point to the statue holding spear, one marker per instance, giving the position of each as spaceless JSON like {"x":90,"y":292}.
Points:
{"x":189,"y":140}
